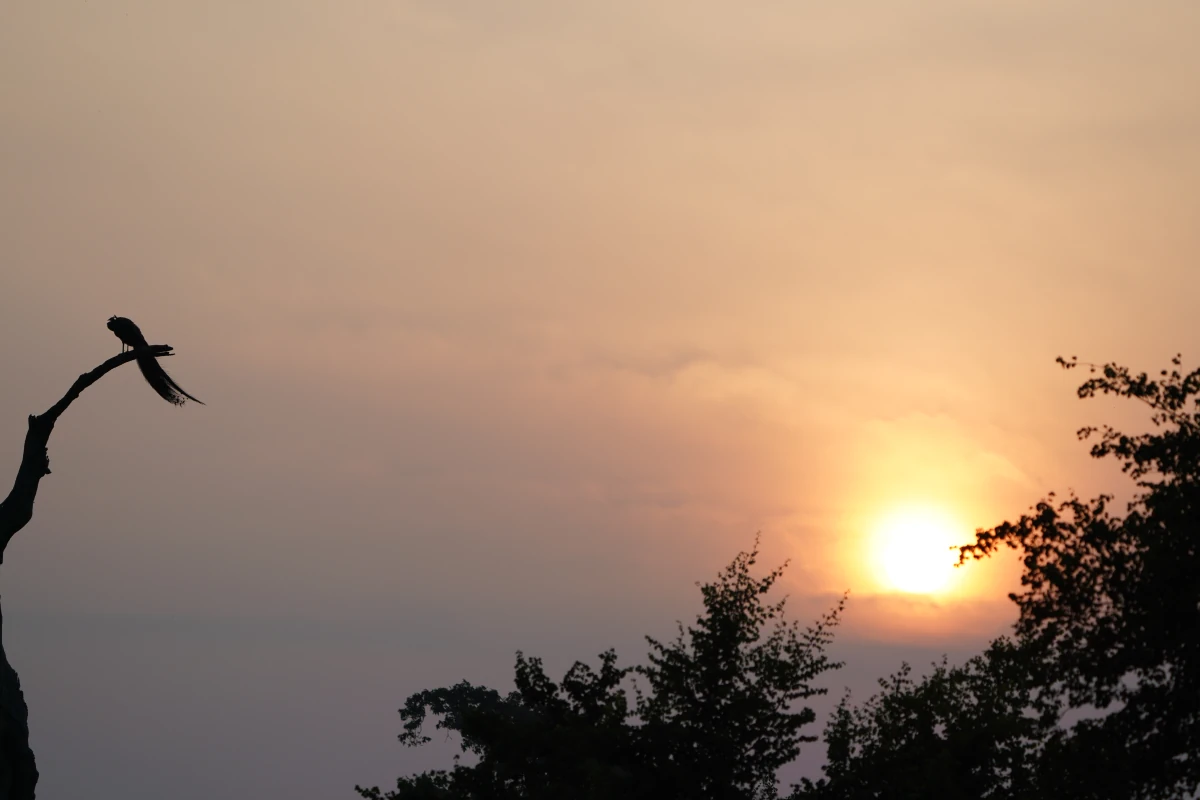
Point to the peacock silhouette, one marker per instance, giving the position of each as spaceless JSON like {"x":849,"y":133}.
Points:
{"x":131,"y":335}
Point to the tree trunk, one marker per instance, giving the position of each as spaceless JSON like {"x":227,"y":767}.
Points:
{"x":18,"y":771}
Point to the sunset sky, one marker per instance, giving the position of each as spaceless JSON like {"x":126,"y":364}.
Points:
{"x":516,"y":319}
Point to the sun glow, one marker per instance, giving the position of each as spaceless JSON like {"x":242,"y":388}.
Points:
{"x":914,"y":550}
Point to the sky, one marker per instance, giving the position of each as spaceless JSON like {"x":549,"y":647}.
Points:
{"x":514,"y":320}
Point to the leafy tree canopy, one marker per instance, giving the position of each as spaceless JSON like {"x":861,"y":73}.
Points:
{"x":713,"y":713}
{"x":1097,"y":695}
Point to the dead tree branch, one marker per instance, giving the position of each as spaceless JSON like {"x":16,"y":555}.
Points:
{"x":17,"y":508}
{"x":18,"y":769}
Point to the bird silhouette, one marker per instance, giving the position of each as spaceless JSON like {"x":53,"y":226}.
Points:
{"x":152,"y":371}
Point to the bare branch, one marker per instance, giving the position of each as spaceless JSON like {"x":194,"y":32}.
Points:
{"x":17,"y":508}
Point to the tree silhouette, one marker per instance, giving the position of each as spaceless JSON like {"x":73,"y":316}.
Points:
{"x":1110,"y":604}
{"x":713,"y":714}
{"x":18,"y":771}
{"x":959,"y":733}
{"x":1097,"y":694}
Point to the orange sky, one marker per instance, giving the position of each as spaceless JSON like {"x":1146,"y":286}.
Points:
{"x":516,"y":319}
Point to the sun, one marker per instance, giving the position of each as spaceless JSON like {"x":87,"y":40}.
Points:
{"x":913,"y":549}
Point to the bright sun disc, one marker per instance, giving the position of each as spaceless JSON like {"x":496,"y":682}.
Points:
{"x":914,"y":550}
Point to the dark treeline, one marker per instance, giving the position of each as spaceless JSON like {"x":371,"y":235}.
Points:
{"x":1109,"y":624}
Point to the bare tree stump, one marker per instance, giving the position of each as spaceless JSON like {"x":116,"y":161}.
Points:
{"x":18,"y":771}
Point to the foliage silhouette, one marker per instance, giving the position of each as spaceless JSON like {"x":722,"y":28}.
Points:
{"x":713,"y":714}
{"x":1108,"y":630}
{"x":1096,"y":694}
{"x":959,"y":733}
{"x":1110,"y":605}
